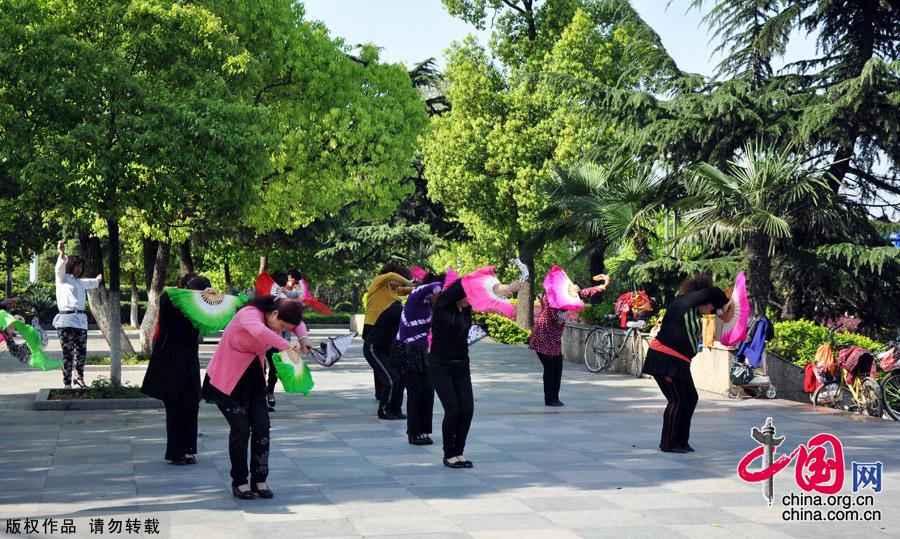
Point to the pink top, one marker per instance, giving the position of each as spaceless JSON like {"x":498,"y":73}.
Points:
{"x":247,"y":337}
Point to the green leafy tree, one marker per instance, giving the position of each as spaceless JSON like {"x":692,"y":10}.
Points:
{"x":756,"y":204}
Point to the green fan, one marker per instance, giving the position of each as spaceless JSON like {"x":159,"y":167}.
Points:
{"x":39,"y":360}
{"x":208,"y":310}
{"x":293,"y":372}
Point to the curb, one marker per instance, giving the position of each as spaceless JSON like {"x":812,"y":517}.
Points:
{"x":41,"y":402}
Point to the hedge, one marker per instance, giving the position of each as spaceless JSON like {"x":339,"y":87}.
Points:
{"x":798,"y":340}
{"x":315,"y":318}
{"x":502,"y":329}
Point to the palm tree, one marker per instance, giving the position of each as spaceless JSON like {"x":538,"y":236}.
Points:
{"x":756,"y":204}
{"x":607,"y":204}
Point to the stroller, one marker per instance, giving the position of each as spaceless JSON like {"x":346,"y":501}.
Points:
{"x":748,"y":378}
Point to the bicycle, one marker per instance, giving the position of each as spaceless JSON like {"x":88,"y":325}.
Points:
{"x":890,"y":384}
{"x":599,"y":347}
{"x":864,"y":394}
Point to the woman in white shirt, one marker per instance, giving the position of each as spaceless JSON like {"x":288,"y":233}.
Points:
{"x":71,"y":322}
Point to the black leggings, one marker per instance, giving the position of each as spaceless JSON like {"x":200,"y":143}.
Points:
{"x":419,"y":402}
{"x":454,"y":389}
{"x":682,"y":397}
{"x":181,"y":423}
{"x":553,"y":367}
{"x":248,"y":423}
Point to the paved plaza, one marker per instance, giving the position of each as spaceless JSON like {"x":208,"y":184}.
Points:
{"x":590,"y":469}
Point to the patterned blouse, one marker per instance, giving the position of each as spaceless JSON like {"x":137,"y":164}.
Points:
{"x":546,"y":335}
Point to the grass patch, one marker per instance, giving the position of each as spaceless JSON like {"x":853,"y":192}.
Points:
{"x":136,"y":359}
{"x":101,"y":388}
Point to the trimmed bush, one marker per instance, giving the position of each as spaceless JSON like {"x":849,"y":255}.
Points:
{"x":344,"y":307}
{"x":594,"y":314}
{"x":315,"y":318}
{"x":502,"y":329}
{"x":798,"y":340}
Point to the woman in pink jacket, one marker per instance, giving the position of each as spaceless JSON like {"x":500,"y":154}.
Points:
{"x":236,"y":383}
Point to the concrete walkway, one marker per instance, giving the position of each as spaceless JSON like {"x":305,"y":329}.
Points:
{"x":590,"y":469}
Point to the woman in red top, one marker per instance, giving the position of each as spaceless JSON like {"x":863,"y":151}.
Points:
{"x":546,"y":340}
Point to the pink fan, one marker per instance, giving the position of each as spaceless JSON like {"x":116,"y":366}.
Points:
{"x":559,"y":291}
{"x":735,"y":330}
{"x":418,"y":273}
{"x":479,"y":286}
{"x":452,"y":277}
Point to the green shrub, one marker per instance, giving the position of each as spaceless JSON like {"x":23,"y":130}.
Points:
{"x":316,"y":318}
{"x":595,"y":314}
{"x":502,"y":329}
{"x":344,"y":307}
{"x":798,"y":340}
{"x":38,"y":300}
{"x":101,"y":388}
{"x":135,"y":359}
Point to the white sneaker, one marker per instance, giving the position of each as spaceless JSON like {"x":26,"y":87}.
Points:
{"x":68,"y":386}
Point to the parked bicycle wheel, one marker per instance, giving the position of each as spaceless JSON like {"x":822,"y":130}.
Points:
{"x":891,"y":395}
{"x":832,"y":395}
{"x":598,"y":350}
{"x":637,"y":353}
{"x":872,"y":397}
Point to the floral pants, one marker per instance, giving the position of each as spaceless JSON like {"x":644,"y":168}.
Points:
{"x":74,"y":348}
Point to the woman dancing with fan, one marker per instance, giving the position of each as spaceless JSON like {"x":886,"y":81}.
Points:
{"x":669,"y":358}
{"x":561,"y":296}
{"x":408,"y":357}
{"x":173,"y":373}
{"x":235,"y":382}
{"x":392,"y":282}
{"x":448,"y":359}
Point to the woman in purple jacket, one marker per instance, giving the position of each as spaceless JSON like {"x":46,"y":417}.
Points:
{"x":408,"y":357}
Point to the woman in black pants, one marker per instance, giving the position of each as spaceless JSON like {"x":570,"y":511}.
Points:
{"x":669,"y":358}
{"x":173,"y":374}
{"x":448,"y":362}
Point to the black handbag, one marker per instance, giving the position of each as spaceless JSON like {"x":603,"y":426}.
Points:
{"x":741,"y":374}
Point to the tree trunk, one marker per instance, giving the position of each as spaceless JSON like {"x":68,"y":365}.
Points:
{"x":229,"y":285}
{"x":135,"y":303}
{"x":114,"y":305}
{"x":8,"y":284}
{"x":185,"y":260}
{"x":759,"y":264}
{"x":149,"y":251}
{"x":148,"y":325}
{"x":100,"y":299}
{"x":525,"y":303}
{"x":596,"y":265}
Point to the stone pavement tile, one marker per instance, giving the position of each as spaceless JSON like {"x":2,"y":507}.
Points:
{"x":729,"y":531}
{"x":385,"y":508}
{"x":402,"y":523}
{"x":355,"y":494}
{"x":599,"y":518}
{"x":556,"y":455}
{"x":716,"y":486}
{"x":600,"y":475}
{"x":757,"y":512}
{"x":711,"y":516}
{"x":454,"y":493}
{"x":440,"y":477}
{"x":297,"y":513}
{"x":211,"y":530}
{"x":633,"y":532}
{"x":363,"y":471}
{"x":652,"y":500}
{"x":586,"y":502}
{"x":525,"y":533}
{"x":479,"y":505}
{"x":501,"y":521}
{"x":512,"y":481}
